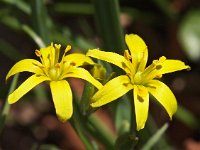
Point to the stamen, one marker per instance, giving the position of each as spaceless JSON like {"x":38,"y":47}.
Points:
{"x":38,"y":53}
{"x":40,"y":66}
{"x":68,"y":48}
{"x":57,"y":46}
{"x":162,"y":59}
{"x":127,"y":55}
{"x":57,"y":65}
{"x":49,"y":59}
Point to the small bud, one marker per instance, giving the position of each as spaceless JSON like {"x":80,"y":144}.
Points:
{"x":98,"y":72}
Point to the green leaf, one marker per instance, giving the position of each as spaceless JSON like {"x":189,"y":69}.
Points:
{"x":9,"y":51}
{"x":20,"y":5}
{"x":38,"y":40}
{"x":187,"y":117}
{"x":40,"y":19}
{"x":74,"y":8}
{"x":11,"y":22}
{"x":6,"y":107}
{"x":122,"y":116}
{"x":78,"y":121}
{"x":155,"y":138}
{"x":189,"y":35}
{"x":108,"y":24}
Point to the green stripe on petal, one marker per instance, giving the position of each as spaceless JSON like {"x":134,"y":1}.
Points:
{"x":170,"y":65}
{"x":163,"y":95}
{"x":78,"y":59}
{"x":83,"y":74}
{"x":29,"y":65}
{"x":112,"y":90}
{"x":25,"y":87}
{"x":136,"y":46}
{"x":62,"y":98}
{"x":113,"y":58}
{"x":141,"y":102}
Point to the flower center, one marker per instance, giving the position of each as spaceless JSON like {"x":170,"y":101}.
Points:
{"x":54,"y":73}
{"x":137,"y":78}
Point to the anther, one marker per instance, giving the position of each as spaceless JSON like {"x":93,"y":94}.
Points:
{"x":162,"y":59}
{"x":68,"y":48}
{"x":57,"y":65}
{"x":127,"y":55}
{"x":57,"y":46}
{"x":38,"y":53}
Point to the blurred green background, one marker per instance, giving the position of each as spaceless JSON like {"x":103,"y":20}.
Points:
{"x":169,"y":27}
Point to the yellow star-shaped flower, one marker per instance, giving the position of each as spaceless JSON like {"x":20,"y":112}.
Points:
{"x":55,"y":73}
{"x":138,"y":77}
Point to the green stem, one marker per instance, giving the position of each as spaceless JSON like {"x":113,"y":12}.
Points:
{"x":133,"y":125}
{"x":101,"y":132}
{"x":78,"y":123}
{"x":91,"y":125}
{"x":6,"y":107}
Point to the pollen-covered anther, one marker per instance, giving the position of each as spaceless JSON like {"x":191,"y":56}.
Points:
{"x":38,"y":53}
{"x":68,"y":48}
{"x":57,"y":65}
{"x":57,"y":46}
{"x":162,"y":59}
{"x":127,"y":55}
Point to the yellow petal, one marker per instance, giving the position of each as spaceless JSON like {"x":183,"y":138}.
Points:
{"x":78,"y":59}
{"x":25,"y":87}
{"x":113,"y":58}
{"x":141,"y":102}
{"x":112,"y":90}
{"x":170,"y":65}
{"x":83,"y":74}
{"x":143,"y":62}
{"x":62,"y":98}
{"x":29,"y":65}
{"x":163,"y":95}
{"x":137,"y":47}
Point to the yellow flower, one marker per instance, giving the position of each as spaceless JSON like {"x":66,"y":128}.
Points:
{"x":138,"y":77}
{"x":55,"y":73}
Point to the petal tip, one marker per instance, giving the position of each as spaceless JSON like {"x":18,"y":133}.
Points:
{"x":11,"y":100}
{"x":93,"y":105}
{"x":188,"y":68}
{"x":140,"y":127}
{"x":62,"y":118}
